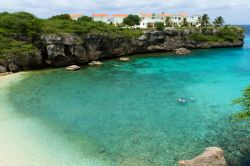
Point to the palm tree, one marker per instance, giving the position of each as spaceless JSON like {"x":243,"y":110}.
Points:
{"x":219,"y":21}
{"x":205,"y":20}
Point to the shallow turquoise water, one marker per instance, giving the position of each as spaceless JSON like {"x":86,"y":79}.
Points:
{"x":129,"y":115}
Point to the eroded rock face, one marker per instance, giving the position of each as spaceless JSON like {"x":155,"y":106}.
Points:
{"x":212,"y":156}
{"x":72,"y":49}
{"x":182,"y":51}
{"x":13,"y":67}
{"x":3,"y":69}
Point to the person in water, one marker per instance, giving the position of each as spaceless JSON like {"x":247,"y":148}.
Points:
{"x":181,"y":100}
{"x":192,"y":99}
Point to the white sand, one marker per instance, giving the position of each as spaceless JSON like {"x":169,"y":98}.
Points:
{"x":25,"y":142}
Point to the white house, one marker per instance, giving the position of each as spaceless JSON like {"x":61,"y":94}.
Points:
{"x":194,"y":20}
{"x":146,"y":20}
{"x":75,"y":16}
{"x":118,"y":18}
{"x":149,"y":19}
{"x":177,"y":19}
{"x":102,"y":17}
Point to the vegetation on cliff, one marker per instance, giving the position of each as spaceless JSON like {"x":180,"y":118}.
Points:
{"x":226,"y":33}
{"x":20,"y":32}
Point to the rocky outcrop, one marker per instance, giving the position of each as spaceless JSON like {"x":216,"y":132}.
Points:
{"x":13,"y":67}
{"x":65,"y":50}
{"x":24,"y":62}
{"x":124,"y":59}
{"x":93,"y":63}
{"x":73,"y":68}
{"x":212,"y":156}
{"x":3,"y":69}
{"x":73,"y":49}
{"x":182,"y":51}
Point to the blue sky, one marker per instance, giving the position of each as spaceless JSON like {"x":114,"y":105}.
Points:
{"x":234,"y":11}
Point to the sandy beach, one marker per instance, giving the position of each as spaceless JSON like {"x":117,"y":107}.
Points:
{"x":26,"y":142}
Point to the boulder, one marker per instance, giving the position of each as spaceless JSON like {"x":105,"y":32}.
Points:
{"x":124,"y":59}
{"x":182,"y":51}
{"x":13,"y":67}
{"x":3,"y":69}
{"x":212,"y":156}
{"x":92,"y":63}
{"x":73,"y":68}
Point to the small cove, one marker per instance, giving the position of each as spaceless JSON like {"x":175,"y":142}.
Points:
{"x":128,"y":114}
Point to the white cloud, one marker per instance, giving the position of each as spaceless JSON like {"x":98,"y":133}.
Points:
{"x":234,"y":11}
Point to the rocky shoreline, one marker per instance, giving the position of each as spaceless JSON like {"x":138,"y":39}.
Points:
{"x":72,"y":49}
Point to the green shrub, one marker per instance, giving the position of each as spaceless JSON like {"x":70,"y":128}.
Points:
{"x":205,"y":38}
{"x":61,"y":17}
{"x":159,"y":26}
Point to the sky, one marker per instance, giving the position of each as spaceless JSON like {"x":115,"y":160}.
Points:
{"x":234,"y":11}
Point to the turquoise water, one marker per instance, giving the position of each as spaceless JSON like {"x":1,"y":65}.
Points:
{"x":128,"y":114}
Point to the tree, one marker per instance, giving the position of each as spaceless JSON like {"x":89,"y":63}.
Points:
{"x":159,"y":26}
{"x":61,"y":17}
{"x":85,"y":19}
{"x":168,"y":22}
{"x":132,"y":20}
{"x":205,"y":20}
{"x":219,"y":21}
{"x":244,"y":102}
{"x":184,"y":22}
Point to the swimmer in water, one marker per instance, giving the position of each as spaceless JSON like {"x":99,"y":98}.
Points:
{"x":192,"y":99}
{"x":181,"y":100}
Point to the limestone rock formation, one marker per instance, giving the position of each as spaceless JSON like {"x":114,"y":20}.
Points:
{"x":73,"y":68}
{"x":124,"y":59}
{"x":182,"y":51}
{"x":92,"y":63}
{"x":66,"y":49}
{"x":212,"y":156}
{"x":3,"y":69}
{"x":13,"y":67}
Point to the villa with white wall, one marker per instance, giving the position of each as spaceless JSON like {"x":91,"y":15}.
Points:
{"x":118,"y":18}
{"x":148,"y":20}
{"x":102,"y":17}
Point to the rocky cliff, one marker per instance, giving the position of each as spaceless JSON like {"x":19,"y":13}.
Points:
{"x":68,"y":49}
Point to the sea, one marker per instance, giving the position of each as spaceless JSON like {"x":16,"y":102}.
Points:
{"x":127,"y":113}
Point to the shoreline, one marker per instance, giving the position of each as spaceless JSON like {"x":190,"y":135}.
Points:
{"x":25,"y":141}
{"x":145,"y":54}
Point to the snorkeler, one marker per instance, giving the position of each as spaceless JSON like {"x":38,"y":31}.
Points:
{"x":181,"y":100}
{"x":192,"y":99}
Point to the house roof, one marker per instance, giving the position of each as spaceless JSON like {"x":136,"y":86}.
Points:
{"x":166,"y":14}
{"x":119,"y":15}
{"x":146,"y":14}
{"x":183,"y":14}
{"x":100,"y":15}
{"x":75,"y":15}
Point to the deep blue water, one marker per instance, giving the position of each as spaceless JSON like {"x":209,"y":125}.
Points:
{"x":128,"y":114}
